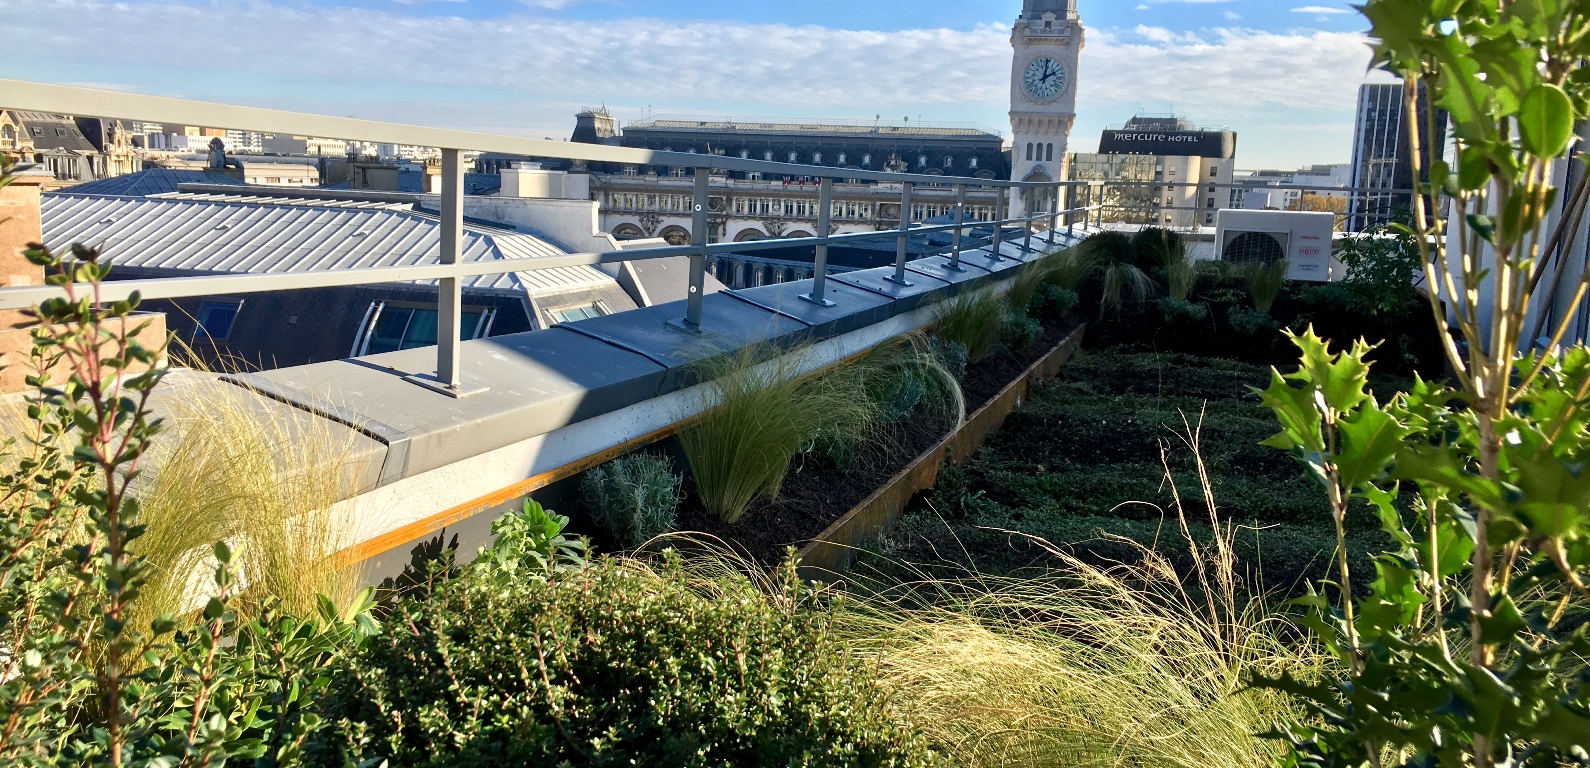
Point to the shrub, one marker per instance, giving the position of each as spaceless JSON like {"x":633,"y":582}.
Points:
{"x":1251,"y":322}
{"x":1053,"y":302}
{"x":1119,"y":270}
{"x":912,"y":375}
{"x":633,"y":497}
{"x":951,"y":355}
{"x":1179,"y":312}
{"x":971,"y":319}
{"x":617,"y":664}
{"x":1017,"y":331}
{"x":1158,"y":248}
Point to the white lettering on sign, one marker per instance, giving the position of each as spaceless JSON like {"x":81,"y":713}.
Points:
{"x":1172,"y":137}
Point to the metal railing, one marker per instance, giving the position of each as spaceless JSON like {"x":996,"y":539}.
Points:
{"x":450,"y":272}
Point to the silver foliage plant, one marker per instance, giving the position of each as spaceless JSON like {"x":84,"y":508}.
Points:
{"x":633,"y":497}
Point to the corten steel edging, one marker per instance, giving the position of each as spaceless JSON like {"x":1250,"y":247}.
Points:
{"x":833,"y":551}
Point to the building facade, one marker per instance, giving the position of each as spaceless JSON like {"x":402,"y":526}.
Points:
{"x":1048,"y":40}
{"x":1382,"y":154}
{"x":1163,"y":172}
{"x":740,"y":210}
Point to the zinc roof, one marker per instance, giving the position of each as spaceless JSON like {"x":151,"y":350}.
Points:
{"x":153,"y":181}
{"x":235,"y":238}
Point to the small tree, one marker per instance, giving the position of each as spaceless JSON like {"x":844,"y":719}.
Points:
{"x":1458,"y":653}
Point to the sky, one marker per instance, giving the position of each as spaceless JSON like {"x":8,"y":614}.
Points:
{"x":1282,"y":73}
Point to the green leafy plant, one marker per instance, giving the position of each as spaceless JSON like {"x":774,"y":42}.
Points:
{"x":971,"y":319}
{"x":1265,"y":282}
{"x":621,"y":663}
{"x":1383,"y":265}
{"x":1458,"y":655}
{"x":633,"y":497}
{"x":83,"y":683}
{"x":528,"y":545}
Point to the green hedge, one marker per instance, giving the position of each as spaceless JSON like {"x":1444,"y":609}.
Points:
{"x":615,"y":664}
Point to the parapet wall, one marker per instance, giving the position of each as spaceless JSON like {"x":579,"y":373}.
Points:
{"x":557,"y":401}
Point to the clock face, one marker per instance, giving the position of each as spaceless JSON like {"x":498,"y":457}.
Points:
{"x":1045,"y":79}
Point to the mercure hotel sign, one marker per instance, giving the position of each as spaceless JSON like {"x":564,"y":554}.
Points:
{"x":1221,"y":144}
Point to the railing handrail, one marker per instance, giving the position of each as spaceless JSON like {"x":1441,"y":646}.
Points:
{"x":78,"y":100}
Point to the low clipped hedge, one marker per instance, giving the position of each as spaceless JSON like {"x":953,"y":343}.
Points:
{"x":615,"y":664}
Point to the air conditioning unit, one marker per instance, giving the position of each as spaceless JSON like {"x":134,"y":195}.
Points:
{"x":1302,"y":238}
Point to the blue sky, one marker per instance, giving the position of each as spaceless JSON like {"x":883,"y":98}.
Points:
{"x":1280,"y":72}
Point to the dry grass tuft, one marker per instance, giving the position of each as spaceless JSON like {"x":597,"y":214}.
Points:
{"x":231,"y":468}
{"x":1132,"y":665}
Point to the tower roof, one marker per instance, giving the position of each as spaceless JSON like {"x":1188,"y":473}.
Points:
{"x":1065,"y":9}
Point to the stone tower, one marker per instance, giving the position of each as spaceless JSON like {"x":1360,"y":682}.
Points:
{"x":1048,"y":41}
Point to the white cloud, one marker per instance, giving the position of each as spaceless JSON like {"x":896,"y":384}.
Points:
{"x":1320,"y":9}
{"x":527,"y":74}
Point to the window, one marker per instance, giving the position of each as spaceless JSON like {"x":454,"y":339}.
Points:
{"x":1211,"y":203}
{"x":921,"y":161}
{"x":8,"y":137}
{"x":60,"y":131}
{"x":1029,"y":151}
{"x":38,"y":131}
{"x":1209,"y":218}
{"x":817,"y":158}
{"x":579,"y":312}
{"x":866,"y":161}
{"x":972,"y":163}
{"x":745,"y":154}
{"x":399,"y":327}
{"x":215,"y":319}
{"x":1049,"y":156}
{"x":1214,"y":171}
{"x":841,"y":158}
{"x":949,"y":162}
{"x":753,"y":176}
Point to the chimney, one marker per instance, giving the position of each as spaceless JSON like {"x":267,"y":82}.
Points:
{"x":19,"y":225}
{"x":433,"y":176}
{"x":523,"y":179}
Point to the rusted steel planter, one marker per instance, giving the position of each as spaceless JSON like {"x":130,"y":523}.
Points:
{"x":834,"y":550}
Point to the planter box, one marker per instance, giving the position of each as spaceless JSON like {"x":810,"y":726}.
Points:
{"x":833,"y":551}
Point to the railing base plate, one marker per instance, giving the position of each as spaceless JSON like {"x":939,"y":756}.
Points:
{"x":815,"y":300}
{"x":429,"y":381}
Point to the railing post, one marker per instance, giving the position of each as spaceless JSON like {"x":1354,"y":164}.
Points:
{"x":1071,"y":214}
{"x":449,"y":293}
{"x":1026,"y":239}
{"x":1054,"y":212}
{"x":960,"y":221}
{"x":825,"y":211}
{"x":999,"y":225}
{"x":698,"y":259}
{"x":901,"y":243}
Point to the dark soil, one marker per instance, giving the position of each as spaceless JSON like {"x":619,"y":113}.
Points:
{"x":816,"y":494}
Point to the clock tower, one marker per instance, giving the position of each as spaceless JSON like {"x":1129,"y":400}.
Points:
{"x":1043,"y":95}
